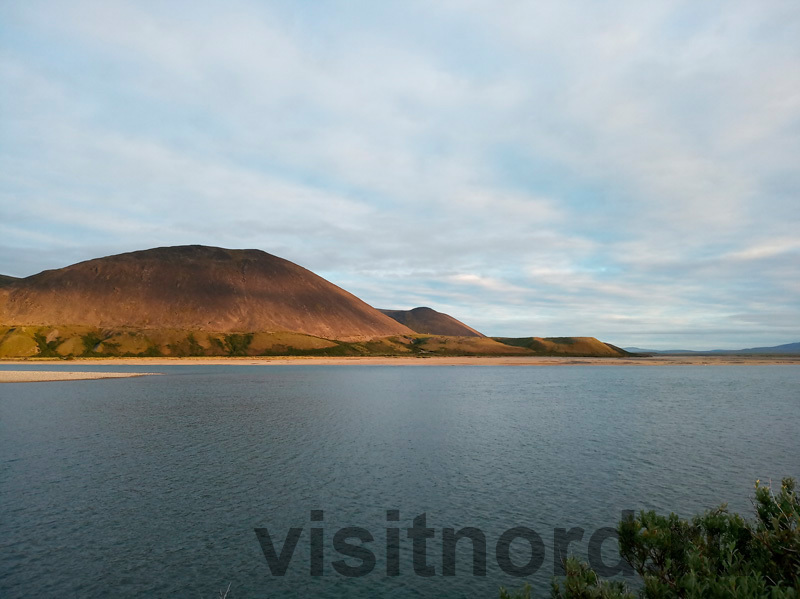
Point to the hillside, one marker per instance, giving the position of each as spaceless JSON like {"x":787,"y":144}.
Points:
{"x":6,"y":280}
{"x":564,"y":346}
{"x":89,"y":342}
{"x":430,"y":322}
{"x":192,"y":288}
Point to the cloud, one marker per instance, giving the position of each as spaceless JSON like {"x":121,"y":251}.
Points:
{"x":767,"y":249}
{"x":622,"y":169}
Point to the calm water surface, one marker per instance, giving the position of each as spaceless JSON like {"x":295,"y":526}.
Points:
{"x":151,"y":487}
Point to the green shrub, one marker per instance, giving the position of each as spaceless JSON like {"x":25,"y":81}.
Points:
{"x":90,"y":343}
{"x":195,"y":349}
{"x":47,"y":349}
{"x":217,"y":346}
{"x":152,"y":351}
{"x":717,"y":554}
{"x":187,"y":347}
{"x":110,"y":349}
{"x":341,"y":349}
{"x":581,"y":582}
{"x":236,"y":344}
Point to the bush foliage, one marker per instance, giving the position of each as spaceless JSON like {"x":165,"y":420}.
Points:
{"x":236,"y":345}
{"x":47,"y":349}
{"x":717,"y":554}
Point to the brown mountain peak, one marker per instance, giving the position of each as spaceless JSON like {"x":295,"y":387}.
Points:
{"x":429,"y":321}
{"x":193,"y":287}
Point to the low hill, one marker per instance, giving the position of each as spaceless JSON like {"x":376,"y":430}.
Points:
{"x":194,"y":288}
{"x":430,"y":322}
{"x":787,"y":348}
{"x":564,"y":346}
{"x":775,"y":350}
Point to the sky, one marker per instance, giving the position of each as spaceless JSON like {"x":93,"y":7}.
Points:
{"x":625,"y":170}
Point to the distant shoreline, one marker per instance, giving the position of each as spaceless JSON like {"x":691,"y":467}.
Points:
{"x":417,"y":361}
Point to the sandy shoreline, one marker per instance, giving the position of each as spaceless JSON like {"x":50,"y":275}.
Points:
{"x":414,"y":361}
{"x":31,"y":376}
{"x":41,"y":376}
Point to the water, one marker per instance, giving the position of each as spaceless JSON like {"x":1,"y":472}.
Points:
{"x":152,"y":486}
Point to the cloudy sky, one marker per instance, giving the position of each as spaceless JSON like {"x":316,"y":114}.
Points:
{"x":625,"y":170}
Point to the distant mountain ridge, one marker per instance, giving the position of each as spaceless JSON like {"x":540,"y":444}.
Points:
{"x":787,"y":348}
{"x":429,"y":321}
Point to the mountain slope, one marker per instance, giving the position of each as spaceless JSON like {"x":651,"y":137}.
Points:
{"x":193,"y":288}
{"x":6,"y":280}
{"x":430,"y":322}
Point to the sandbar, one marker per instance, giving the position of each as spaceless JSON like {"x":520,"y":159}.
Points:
{"x":40,"y":376}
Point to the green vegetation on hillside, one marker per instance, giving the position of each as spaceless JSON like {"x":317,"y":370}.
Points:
{"x":93,"y":342}
{"x":236,"y":345}
{"x":47,"y":349}
{"x":717,"y":554}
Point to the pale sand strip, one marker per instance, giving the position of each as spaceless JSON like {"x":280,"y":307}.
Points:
{"x":427,"y":361}
{"x":37,"y":376}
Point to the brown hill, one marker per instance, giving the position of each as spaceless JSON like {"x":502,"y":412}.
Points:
{"x":564,"y":346}
{"x":430,"y":322}
{"x":193,"y":288}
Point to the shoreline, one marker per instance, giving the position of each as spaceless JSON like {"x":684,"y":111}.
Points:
{"x":412,"y":361}
{"x":49,"y":376}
